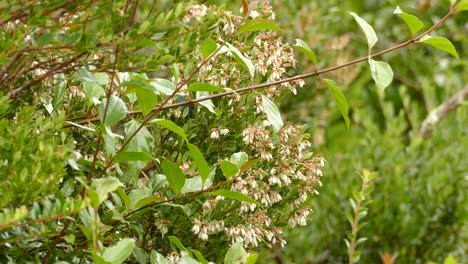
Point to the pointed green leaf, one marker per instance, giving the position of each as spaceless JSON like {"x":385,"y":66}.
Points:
{"x":450,"y":260}
{"x":236,"y":254}
{"x":273,"y":113}
{"x":147,"y":100}
{"x":229,"y":169}
{"x":208,"y":47}
{"x":239,"y":158}
{"x":413,"y":23}
{"x":251,"y":259}
{"x":204,"y":87}
{"x":246,"y":62}
{"x":257,"y":25}
{"x":119,"y":252}
{"x":84,"y":75}
{"x":176,"y":242}
{"x":116,"y":110}
{"x":199,"y":256}
{"x":367,"y":29}
{"x":304,"y":48}
{"x":104,"y":186}
{"x":135,"y":84}
{"x":170,"y":126}
{"x":200,"y":161}
{"x":440,"y":43}
{"x":132,"y":156}
{"x":340,"y":100}
{"x":235,"y":196}
{"x":163,"y":86}
{"x":174,"y":175}
{"x":462,"y":5}
{"x":156,"y":258}
{"x":382,"y":73}
{"x":249,"y":164}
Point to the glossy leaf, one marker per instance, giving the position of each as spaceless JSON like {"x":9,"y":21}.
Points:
{"x":304,"y":48}
{"x":382,"y":73}
{"x":273,"y":113}
{"x":174,"y":175}
{"x":340,"y":100}
{"x":176,"y":242}
{"x":369,"y":32}
{"x":462,"y":5}
{"x":204,"y":87}
{"x":257,"y":25}
{"x":163,"y":86}
{"x":251,"y":259}
{"x":200,"y":161}
{"x":235,"y":196}
{"x":170,"y":126}
{"x":116,"y":110}
{"x":440,"y":43}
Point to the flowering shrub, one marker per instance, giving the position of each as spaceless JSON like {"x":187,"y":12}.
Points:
{"x":178,"y":154}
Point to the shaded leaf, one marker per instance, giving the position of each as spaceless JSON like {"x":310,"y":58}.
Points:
{"x":200,"y":161}
{"x":204,"y":87}
{"x":170,"y":126}
{"x":156,"y":258}
{"x":340,"y":100}
{"x":132,"y":156}
{"x":176,"y":242}
{"x":104,"y":186}
{"x":119,"y":252}
{"x":174,"y":175}
{"x":208,"y":47}
{"x":246,"y":62}
{"x":116,"y":110}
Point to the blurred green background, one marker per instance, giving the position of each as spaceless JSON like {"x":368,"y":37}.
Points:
{"x":419,"y":209}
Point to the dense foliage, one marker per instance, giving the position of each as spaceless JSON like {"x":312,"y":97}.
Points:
{"x":148,"y":131}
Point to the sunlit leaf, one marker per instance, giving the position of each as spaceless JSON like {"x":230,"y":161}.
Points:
{"x":236,"y":254}
{"x":204,"y":87}
{"x":116,"y":110}
{"x":132,"y":156}
{"x":147,"y":100}
{"x":104,"y":186}
{"x":413,"y":23}
{"x":120,"y":252}
{"x":170,"y":126}
{"x":273,"y":113}
{"x":235,"y":196}
{"x":381,"y":72}
{"x":462,"y":5}
{"x":199,"y":161}
{"x":257,"y":25}
{"x":229,"y":169}
{"x":246,"y":62}
{"x":440,"y":43}
{"x":208,"y":47}
{"x":304,"y":48}
{"x":371,"y":36}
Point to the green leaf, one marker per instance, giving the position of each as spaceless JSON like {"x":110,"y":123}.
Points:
{"x":340,"y":100}
{"x":272,"y":112}
{"x":239,"y":158}
{"x":84,"y":75}
{"x":246,"y":62}
{"x":116,"y":110}
{"x":367,"y":29}
{"x":249,"y":164}
{"x":208,"y":47}
{"x":186,"y":258}
{"x":257,"y":25}
{"x":156,"y":258}
{"x":119,"y":252}
{"x":200,"y":161}
{"x":176,"y":242}
{"x":194,"y":184}
{"x":450,"y":260}
{"x":413,"y":23}
{"x":229,"y":169}
{"x":304,"y":48}
{"x":170,"y":126}
{"x":440,"y":43}
{"x":235,"y":196}
{"x":104,"y":186}
{"x":174,"y":175}
{"x":204,"y":87}
{"x":143,"y":27}
{"x":147,"y":100}
{"x":163,"y":86}
{"x":251,"y":259}
{"x":462,"y":5}
{"x":199,"y":256}
{"x":236,"y":254}
{"x":381,"y":73}
{"x":132,"y":156}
